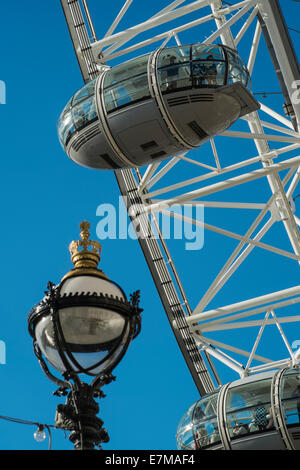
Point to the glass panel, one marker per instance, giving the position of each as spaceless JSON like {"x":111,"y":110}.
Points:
{"x":126,"y":83}
{"x":68,"y":105}
{"x":65,"y":127}
{"x":248,"y":408}
{"x":205,"y":423}
{"x":46,"y":340}
{"x":198,"y":427}
{"x":173,"y":55}
{"x":235,"y":74}
{"x":206,"y":408}
{"x":208,"y":73}
{"x":207,"y":52}
{"x":236,"y":60}
{"x":76,"y":117}
{"x":84,"y":112}
{"x":85,"y":92}
{"x":237,"y":70}
{"x":173,"y":77}
{"x":90,"y":326}
{"x":290,"y":396}
{"x":184,"y":435}
{"x":127,"y":70}
{"x":134,"y":89}
{"x":207,"y":433}
{"x":185,"y":440}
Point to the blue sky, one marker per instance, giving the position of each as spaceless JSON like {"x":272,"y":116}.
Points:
{"x":44,"y":198}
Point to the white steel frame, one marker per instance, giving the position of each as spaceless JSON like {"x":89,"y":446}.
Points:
{"x":264,"y":164}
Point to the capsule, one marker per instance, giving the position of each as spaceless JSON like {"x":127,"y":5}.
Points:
{"x":259,"y":412}
{"x":156,"y":106}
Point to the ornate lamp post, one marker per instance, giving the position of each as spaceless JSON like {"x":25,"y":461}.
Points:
{"x":83,"y":326}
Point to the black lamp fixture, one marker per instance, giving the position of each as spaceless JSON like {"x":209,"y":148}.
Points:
{"x":83,"y":326}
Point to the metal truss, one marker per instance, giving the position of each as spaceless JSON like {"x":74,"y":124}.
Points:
{"x":265,"y":152}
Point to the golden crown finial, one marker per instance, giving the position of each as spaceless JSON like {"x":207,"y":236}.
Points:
{"x":85,"y":234}
{"x":85,"y":253}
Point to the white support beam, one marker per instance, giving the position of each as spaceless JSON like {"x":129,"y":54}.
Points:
{"x":148,"y":174}
{"x":119,"y":39}
{"x":227,"y":205}
{"x":215,"y":153}
{"x":245,"y":314}
{"x":195,"y":162}
{"x":118,"y":18}
{"x":282,"y":50}
{"x":233,"y":263}
{"x":262,"y":136}
{"x":246,"y":304}
{"x":236,"y":166}
{"x":256,"y":342}
{"x":223,"y":171}
{"x":229,"y":183}
{"x":225,"y":359}
{"x":153,"y":22}
{"x":247,"y":324}
{"x":163,"y":171}
{"x":276,"y":116}
{"x":261,"y":140}
{"x":229,"y":347}
{"x":293,"y":184}
{"x":230,"y":234}
{"x":220,"y":20}
{"x":280,"y":129}
{"x":118,"y":44}
{"x":272,"y":365}
{"x":283,"y":336}
{"x":108,"y":53}
{"x":245,"y":26}
{"x":254,"y":48}
{"x":226,"y":26}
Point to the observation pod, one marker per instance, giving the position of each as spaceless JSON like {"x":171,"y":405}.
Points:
{"x":156,"y":106}
{"x":259,"y":412}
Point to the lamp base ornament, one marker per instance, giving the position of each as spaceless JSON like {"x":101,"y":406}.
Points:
{"x":79,"y":415}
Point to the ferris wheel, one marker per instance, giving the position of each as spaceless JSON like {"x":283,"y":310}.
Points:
{"x":174,"y":106}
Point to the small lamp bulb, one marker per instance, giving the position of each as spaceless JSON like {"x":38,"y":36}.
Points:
{"x":40,"y":434}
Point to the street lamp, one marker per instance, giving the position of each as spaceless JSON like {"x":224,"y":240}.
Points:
{"x":83,"y":326}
